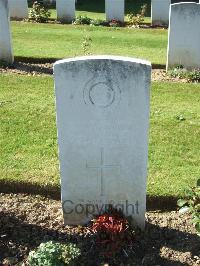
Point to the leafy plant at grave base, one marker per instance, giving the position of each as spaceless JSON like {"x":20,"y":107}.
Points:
{"x":39,"y":13}
{"x":113,"y":233}
{"x":82,"y":20}
{"x":54,"y":254}
{"x":98,"y":22}
{"x":138,"y":19}
{"x":194,"y":75}
{"x":115,"y":23}
{"x":182,"y":73}
{"x":191,"y":203}
{"x":86,"y":45}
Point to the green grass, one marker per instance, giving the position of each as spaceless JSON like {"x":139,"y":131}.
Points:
{"x":28,"y":142}
{"x":60,"y":41}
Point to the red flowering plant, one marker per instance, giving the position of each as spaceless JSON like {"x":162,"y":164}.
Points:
{"x":113,"y":232}
{"x":115,"y":23}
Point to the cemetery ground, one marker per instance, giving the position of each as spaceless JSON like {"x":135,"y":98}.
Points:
{"x":29,"y":177}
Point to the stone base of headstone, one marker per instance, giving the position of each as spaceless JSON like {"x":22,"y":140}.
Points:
{"x":6,"y":53}
{"x":65,"y":10}
{"x":18,"y":9}
{"x":160,"y":12}
{"x":114,"y":10}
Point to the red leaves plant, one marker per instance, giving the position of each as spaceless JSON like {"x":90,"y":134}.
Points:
{"x":112,"y":232}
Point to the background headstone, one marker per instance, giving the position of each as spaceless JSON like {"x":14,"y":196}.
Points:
{"x":18,"y":9}
{"x":6,"y":53}
{"x":114,"y":10}
{"x":184,"y":35}
{"x":102,"y":119}
{"x":160,"y":12}
{"x":65,"y":10}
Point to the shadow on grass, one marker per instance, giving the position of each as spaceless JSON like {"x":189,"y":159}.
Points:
{"x":44,"y":65}
{"x":35,"y":60}
{"x":18,"y":237}
{"x":164,"y":203}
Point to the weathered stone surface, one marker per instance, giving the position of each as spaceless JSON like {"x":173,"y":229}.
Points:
{"x":184,"y":35}
{"x":114,"y":10}
{"x":18,"y":9}
{"x":65,"y":10}
{"x":102,"y":119}
{"x":6,"y":53}
{"x":160,"y":12}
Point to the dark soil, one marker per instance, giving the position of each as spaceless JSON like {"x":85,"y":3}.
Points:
{"x":28,"y":220}
{"x":37,"y":69}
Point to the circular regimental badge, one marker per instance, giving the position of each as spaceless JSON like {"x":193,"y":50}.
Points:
{"x":101,"y":94}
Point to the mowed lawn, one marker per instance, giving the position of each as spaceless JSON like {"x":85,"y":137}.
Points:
{"x":60,"y":41}
{"x":28,"y":141}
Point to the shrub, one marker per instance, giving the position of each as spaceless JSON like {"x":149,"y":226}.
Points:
{"x":182,"y":73}
{"x":113,"y":232}
{"x":82,"y":20}
{"x":53,"y":254}
{"x":97,"y":22}
{"x":39,"y":13}
{"x":191,"y":203}
{"x":136,"y":20}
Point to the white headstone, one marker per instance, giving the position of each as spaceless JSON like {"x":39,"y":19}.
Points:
{"x":114,"y":10}
{"x":6,"y":53}
{"x":160,"y":12}
{"x":184,"y":35}
{"x":65,"y":10}
{"x":102,"y":120}
{"x":18,"y":9}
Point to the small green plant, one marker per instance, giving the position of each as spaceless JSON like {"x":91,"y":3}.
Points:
{"x":180,"y":117}
{"x":97,"y":22}
{"x":135,"y":20}
{"x":82,"y":20}
{"x":39,"y":13}
{"x":54,"y":254}
{"x":194,"y":75}
{"x":86,"y":45}
{"x":191,"y":203}
{"x":182,"y":73}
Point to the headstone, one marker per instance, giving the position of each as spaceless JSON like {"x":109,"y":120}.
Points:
{"x":65,"y":10}
{"x":114,"y":10}
{"x":18,"y":9}
{"x":102,"y":120}
{"x":6,"y":53}
{"x":184,"y":35}
{"x":160,"y":12}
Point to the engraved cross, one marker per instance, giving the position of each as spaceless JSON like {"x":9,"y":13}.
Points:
{"x":102,"y":167}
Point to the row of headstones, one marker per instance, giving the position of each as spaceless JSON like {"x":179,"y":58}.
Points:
{"x":114,"y":10}
{"x":66,"y":9}
{"x":183,"y":40}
